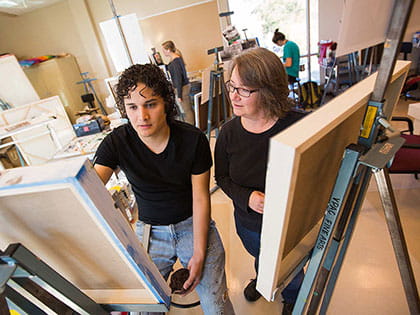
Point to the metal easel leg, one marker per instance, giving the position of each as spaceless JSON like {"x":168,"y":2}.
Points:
{"x":210,"y":107}
{"x":4,"y":309}
{"x":216,"y":88}
{"x":223,"y":90}
{"x":398,"y":241}
{"x":340,"y":239}
{"x":363,"y":183}
{"x":321,"y":258}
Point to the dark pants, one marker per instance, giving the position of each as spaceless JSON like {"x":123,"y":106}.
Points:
{"x":291,"y":79}
{"x":251,"y":241}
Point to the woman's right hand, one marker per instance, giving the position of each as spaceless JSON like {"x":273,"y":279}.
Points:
{"x":256,"y":201}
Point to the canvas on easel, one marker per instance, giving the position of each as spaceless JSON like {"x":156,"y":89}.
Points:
{"x":62,"y":212}
{"x":303,"y":163}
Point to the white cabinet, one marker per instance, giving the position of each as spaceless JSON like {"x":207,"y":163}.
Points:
{"x":59,"y":76}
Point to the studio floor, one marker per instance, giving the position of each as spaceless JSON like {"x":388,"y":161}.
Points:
{"x":369,"y":281}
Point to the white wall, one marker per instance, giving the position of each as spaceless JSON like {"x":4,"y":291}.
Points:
{"x":72,"y":26}
{"x":61,"y":28}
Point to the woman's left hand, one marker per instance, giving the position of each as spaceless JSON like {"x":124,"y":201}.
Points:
{"x":256,"y":201}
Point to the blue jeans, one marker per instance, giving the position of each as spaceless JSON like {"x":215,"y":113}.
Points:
{"x":169,"y":242}
{"x":252,"y":243}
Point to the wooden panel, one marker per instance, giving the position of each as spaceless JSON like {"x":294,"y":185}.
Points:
{"x":58,"y":76}
{"x":194,"y":30}
{"x":62,"y":212}
{"x":303,"y":164}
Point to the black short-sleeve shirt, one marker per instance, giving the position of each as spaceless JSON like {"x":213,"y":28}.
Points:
{"x":161,"y":182}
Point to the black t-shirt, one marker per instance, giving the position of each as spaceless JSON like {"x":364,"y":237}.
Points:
{"x":161,"y":182}
{"x":241,"y":164}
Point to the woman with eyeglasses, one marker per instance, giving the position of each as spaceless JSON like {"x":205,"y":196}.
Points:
{"x":259,"y":95}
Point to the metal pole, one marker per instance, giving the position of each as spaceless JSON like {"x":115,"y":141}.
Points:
{"x":120,"y":30}
{"x":398,"y":241}
{"x":397,"y":27}
{"x":307,"y":298}
{"x":308,"y":31}
{"x":399,"y":19}
{"x":329,"y":289}
{"x":4,"y":308}
{"x":210,"y":106}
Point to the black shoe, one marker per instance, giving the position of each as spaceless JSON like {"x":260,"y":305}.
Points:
{"x":287,"y":308}
{"x":250,"y":292}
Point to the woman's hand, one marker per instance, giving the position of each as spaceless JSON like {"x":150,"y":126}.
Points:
{"x":256,"y":201}
{"x":195,"y":266}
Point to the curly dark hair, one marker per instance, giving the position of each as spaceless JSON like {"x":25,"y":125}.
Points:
{"x":151,"y":76}
{"x":262,"y":69}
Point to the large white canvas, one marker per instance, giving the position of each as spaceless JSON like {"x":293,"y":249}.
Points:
{"x":15,"y":87}
{"x":62,"y":212}
{"x":303,"y":164}
{"x":115,"y":44}
{"x":363,"y":24}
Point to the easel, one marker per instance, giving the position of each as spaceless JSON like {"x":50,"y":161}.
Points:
{"x":359,"y":161}
{"x":216,"y":85}
{"x":33,"y":287}
{"x":30,"y":284}
{"x":87,"y":83}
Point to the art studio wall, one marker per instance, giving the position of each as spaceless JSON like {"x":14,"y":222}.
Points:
{"x":72,"y":26}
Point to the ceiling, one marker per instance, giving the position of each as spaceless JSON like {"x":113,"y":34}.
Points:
{"x":19,"y":7}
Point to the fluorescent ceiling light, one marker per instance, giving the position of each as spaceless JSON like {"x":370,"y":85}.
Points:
{"x":8,"y":4}
{"x":20,"y":3}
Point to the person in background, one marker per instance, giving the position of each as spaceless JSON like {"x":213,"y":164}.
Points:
{"x":291,"y":55}
{"x":167,"y":163}
{"x":179,"y":78}
{"x":258,"y":91}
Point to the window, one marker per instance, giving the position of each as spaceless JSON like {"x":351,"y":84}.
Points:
{"x":259,"y":18}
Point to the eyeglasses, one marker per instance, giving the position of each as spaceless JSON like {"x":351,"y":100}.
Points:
{"x":241,"y":91}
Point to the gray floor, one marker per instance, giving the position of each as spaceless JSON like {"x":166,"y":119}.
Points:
{"x":369,"y":282}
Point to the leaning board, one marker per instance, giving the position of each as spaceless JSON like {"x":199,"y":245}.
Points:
{"x":303,"y":163}
{"x":62,"y":212}
{"x":37,"y":145}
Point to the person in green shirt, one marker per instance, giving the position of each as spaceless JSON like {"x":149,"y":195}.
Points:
{"x":291,"y":55}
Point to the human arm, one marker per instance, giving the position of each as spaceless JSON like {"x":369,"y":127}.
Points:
{"x":104,"y":172}
{"x":288,"y":62}
{"x":242,"y":196}
{"x":106,"y":160}
{"x":288,"y":54}
{"x":201,"y":222}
